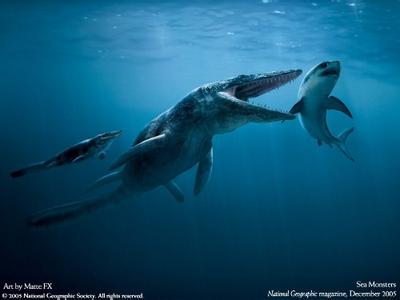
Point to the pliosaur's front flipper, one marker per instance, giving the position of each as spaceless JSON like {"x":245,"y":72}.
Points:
{"x":203,"y":172}
{"x":79,"y":158}
{"x":111,"y":177}
{"x":336,"y":104}
{"x":147,"y":145}
{"x":174,"y":189}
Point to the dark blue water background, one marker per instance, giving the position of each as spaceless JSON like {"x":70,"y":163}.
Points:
{"x":278,"y":213}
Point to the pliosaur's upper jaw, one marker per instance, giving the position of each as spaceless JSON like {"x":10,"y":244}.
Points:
{"x":110,"y":135}
{"x":250,"y":86}
{"x":243,"y":87}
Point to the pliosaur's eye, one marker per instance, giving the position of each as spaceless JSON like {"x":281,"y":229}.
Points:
{"x":323,"y":65}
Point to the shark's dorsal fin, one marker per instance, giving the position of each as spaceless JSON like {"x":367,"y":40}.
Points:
{"x":297,"y":107}
{"x":175,"y":191}
{"x":203,"y":172}
{"x":145,"y":146}
{"x":336,"y":104}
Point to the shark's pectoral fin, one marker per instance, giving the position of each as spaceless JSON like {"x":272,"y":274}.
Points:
{"x":175,"y":191}
{"x":336,"y":104}
{"x":143,"y":147}
{"x":79,"y":158}
{"x":297,"y":107}
{"x":203,"y":172}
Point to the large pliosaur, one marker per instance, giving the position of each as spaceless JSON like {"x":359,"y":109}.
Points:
{"x":181,"y":138}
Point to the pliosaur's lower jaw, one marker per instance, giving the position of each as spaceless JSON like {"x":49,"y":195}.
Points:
{"x":272,"y":115}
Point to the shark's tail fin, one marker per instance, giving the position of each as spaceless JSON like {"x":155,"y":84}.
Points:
{"x":63,"y":213}
{"x":29,"y":169}
{"x":342,"y":142}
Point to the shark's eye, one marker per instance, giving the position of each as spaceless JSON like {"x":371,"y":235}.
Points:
{"x":323,"y":65}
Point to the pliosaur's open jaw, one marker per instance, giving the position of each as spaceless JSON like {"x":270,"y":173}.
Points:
{"x":256,"y":85}
{"x":251,"y":112}
{"x":107,"y":136}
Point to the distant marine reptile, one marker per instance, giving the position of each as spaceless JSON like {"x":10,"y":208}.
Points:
{"x":314,"y":101}
{"x":93,"y":147}
{"x":180,"y":138}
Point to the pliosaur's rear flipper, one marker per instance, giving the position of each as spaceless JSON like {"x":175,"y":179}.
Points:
{"x":174,"y":189}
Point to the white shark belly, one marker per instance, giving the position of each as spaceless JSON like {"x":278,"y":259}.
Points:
{"x":312,"y":120}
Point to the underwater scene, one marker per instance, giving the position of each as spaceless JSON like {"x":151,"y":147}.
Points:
{"x":271,"y":164}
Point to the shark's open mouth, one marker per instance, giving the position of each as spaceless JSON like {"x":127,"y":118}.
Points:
{"x":330,"y":72}
{"x":259,"y":84}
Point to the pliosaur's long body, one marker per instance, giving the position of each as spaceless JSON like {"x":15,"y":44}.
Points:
{"x":89,"y":148}
{"x":180,"y":138}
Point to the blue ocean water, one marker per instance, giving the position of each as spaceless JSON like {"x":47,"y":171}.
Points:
{"x":278,"y":213}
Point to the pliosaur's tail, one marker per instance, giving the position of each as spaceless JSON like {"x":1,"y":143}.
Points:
{"x":29,"y":169}
{"x":63,"y":213}
{"x":342,"y":142}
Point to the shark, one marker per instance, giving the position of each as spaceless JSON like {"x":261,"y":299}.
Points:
{"x":179,"y":139}
{"x":314,"y":102}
